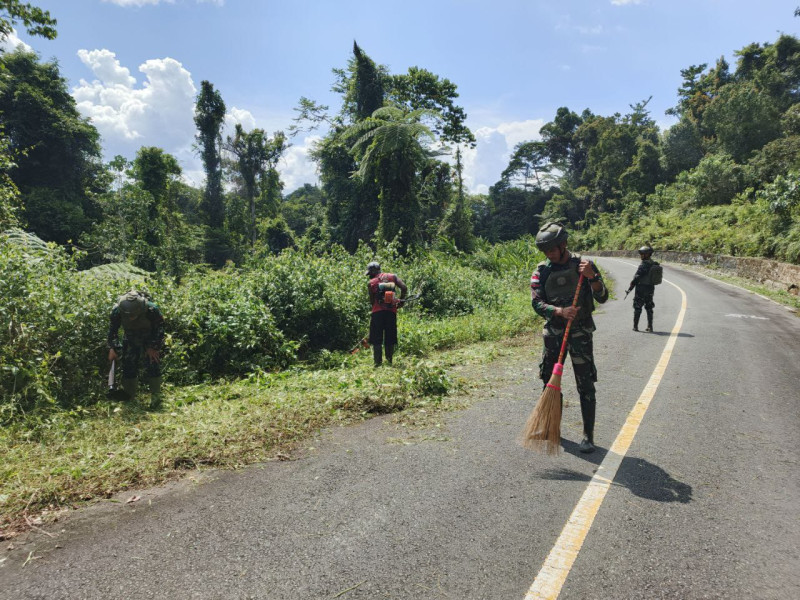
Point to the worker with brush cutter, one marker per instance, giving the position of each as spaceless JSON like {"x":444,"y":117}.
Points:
{"x":383,"y":320}
{"x":553,"y":286}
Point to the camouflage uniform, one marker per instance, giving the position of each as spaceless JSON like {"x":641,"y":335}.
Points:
{"x":144,"y":332}
{"x":643,"y":294}
{"x":553,"y":285}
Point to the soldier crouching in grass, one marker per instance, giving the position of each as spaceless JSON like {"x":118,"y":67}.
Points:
{"x":143,"y":339}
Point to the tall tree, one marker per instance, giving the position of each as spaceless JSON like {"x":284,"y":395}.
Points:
{"x":457,"y":223}
{"x":255,"y":155}
{"x":353,"y":204}
{"x":528,"y":161}
{"x":209,"y":114}
{"x":421,"y":89}
{"x":155,"y":170}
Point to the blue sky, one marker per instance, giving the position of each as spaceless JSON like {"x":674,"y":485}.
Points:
{"x":135,"y":66}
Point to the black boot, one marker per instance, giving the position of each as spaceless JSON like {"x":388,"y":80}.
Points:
{"x":649,"y":322}
{"x":389,"y":353}
{"x":588,"y":406}
{"x":377,"y":354}
{"x":636,"y":320}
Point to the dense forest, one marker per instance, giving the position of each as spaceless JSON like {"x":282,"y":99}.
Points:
{"x":253,"y":278}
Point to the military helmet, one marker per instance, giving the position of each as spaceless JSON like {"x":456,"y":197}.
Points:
{"x":373,"y":268}
{"x":646,"y":250}
{"x":132,"y":304}
{"x":550,"y":235}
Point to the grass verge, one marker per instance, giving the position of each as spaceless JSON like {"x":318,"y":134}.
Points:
{"x":62,"y":459}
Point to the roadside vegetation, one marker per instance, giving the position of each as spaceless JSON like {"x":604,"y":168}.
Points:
{"x":248,"y":378}
{"x":264,"y":291}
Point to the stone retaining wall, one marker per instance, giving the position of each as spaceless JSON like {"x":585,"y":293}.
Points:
{"x":771,"y":273}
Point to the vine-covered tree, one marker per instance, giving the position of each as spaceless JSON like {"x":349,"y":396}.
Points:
{"x":354,"y":206}
{"x":208,"y":116}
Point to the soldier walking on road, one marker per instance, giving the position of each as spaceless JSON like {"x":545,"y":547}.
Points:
{"x":645,"y":285}
{"x":553,"y":286}
{"x":143,"y":339}
{"x":383,"y":320}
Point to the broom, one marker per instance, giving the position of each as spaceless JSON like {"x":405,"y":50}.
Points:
{"x":543,"y":430}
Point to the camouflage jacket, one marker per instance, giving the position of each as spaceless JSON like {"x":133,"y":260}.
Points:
{"x":151,"y":336}
{"x":546,"y":307}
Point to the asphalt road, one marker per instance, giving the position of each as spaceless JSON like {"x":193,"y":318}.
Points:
{"x":704,"y":503}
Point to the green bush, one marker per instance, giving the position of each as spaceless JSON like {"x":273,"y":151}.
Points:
{"x":218,"y":326}
{"x":318,"y":300}
{"x":52,"y":346}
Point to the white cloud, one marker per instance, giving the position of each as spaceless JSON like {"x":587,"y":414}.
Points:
{"x":238,"y":116}
{"x":484,"y":164}
{"x":159,"y":113}
{"x":11,"y":41}
{"x":624,"y":2}
{"x":296,"y":168}
{"x":106,"y":67}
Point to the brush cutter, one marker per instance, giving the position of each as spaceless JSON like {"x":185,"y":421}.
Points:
{"x":113,"y":391}
{"x":400,"y":302}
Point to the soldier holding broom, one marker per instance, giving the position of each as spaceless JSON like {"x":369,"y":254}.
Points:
{"x":553,"y":287}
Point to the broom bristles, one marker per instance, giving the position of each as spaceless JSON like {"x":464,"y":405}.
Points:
{"x":543,"y":430}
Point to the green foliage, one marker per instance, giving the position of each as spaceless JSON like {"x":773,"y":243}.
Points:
{"x":304,"y":211}
{"x":56,"y":151}
{"x":716,"y":180}
{"x":450,"y":289}
{"x":36,"y":21}
{"x":209,"y":116}
{"x":275,"y":234}
{"x":743,"y":118}
{"x":317,"y":298}
{"x":682,"y":147}
{"x":9,"y":194}
{"x":255,"y":158}
{"x":421,"y":89}
{"x":219,"y":326}
{"x":390,"y":148}
{"x":53,"y":344}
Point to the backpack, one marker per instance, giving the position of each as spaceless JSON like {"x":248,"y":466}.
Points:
{"x":386,"y":290}
{"x":655,"y":275}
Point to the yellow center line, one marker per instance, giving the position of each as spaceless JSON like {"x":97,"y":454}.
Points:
{"x":557,"y":565}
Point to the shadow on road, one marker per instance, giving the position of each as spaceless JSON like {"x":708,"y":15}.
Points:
{"x":685,"y":335}
{"x":641,"y":477}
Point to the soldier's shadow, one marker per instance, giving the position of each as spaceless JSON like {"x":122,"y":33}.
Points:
{"x":641,"y":477}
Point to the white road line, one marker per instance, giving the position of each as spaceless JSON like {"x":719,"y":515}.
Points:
{"x":557,"y":565}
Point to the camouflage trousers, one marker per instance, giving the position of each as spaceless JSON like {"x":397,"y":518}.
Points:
{"x":581,"y":350}
{"x":134,"y":352}
{"x":643,"y":298}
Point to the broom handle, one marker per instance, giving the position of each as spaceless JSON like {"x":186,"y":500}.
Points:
{"x":569,"y":322}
